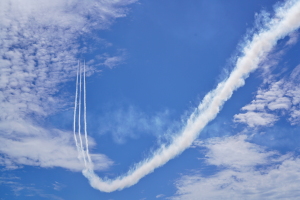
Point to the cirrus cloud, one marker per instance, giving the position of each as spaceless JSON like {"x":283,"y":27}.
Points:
{"x":245,"y":171}
{"x":39,"y":49}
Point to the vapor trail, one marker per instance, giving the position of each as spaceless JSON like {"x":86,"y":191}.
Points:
{"x":79,"y":116}
{"x":285,"y":21}
{"x":75,"y":110}
{"x":84,"y":115}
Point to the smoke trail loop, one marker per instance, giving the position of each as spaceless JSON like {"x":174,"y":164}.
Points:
{"x":285,"y":21}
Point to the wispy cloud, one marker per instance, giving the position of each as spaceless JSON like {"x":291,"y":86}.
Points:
{"x":58,"y":186}
{"x":20,"y":189}
{"x":130,"y":122}
{"x":159,"y":196}
{"x":39,"y":49}
{"x":41,"y":147}
{"x":279,"y":95}
{"x":253,"y":119}
{"x":245,"y":171}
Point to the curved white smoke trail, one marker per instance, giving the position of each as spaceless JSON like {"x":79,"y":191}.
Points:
{"x":286,"y":20}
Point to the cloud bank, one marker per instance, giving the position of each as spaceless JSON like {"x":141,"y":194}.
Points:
{"x":246,"y":171}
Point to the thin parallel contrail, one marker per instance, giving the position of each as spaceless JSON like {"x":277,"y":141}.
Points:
{"x":79,"y":117}
{"x":75,"y":110}
{"x":84,"y":115}
{"x":285,"y":21}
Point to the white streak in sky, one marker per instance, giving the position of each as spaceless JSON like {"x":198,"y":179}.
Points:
{"x":75,"y":110}
{"x":83,"y":152}
{"x":79,"y":115}
{"x":285,"y":21}
{"x":85,"y":123}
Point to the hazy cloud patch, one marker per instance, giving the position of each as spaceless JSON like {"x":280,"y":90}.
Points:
{"x":268,"y":104}
{"x":248,"y":171}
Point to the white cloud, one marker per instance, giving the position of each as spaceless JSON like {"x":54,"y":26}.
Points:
{"x":131,"y":122}
{"x":280,"y":103}
{"x":253,"y":119}
{"x":38,"y":53}
{"x":39,"y":49}
{"x":280,"y":95}
{"x":248,"y":172}
{"x":293,"y":39}
{"x":235,"y":152}
{"x":37,"y":146}
{"x":58,"y":186}
{"x":159,"y":195}
{"x":113,"y":61}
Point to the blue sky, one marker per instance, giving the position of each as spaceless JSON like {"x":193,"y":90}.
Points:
{"x":188,"y":100}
